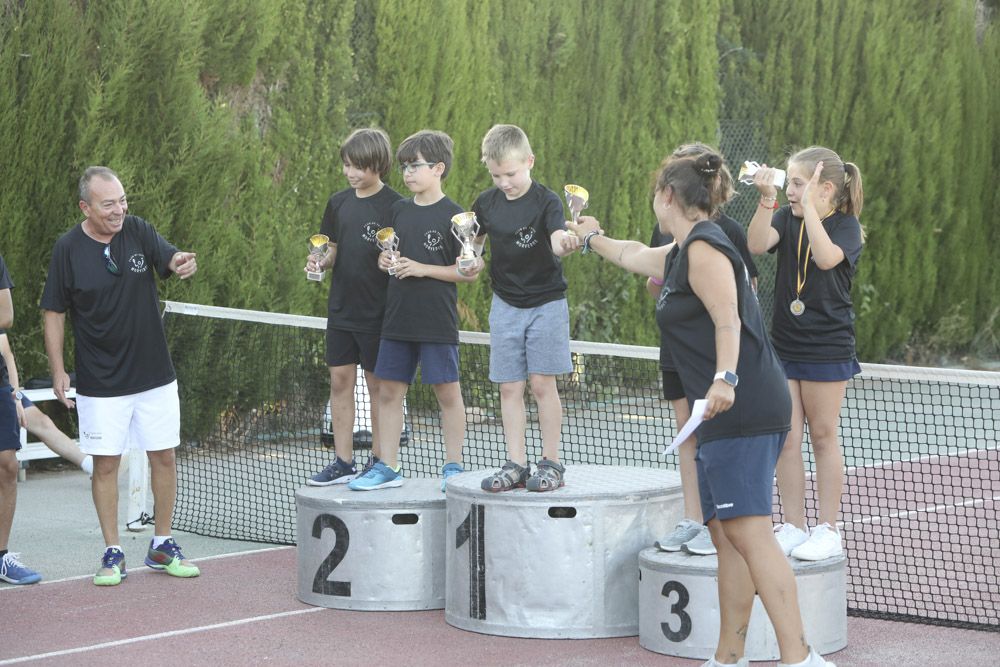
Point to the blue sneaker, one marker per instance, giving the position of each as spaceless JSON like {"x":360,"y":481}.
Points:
{"x":337,"y":472}
{"x":380,"y":476}
{"x":450,"y":470}
{"x":369,"y":464}
{"x":112,"y":568}
{"x":168,"y":558}
{"x":14,"y":571}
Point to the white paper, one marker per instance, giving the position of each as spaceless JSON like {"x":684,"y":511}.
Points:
{"x":697,"y":416}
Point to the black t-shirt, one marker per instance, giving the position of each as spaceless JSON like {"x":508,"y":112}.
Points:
{"x":120,"y":344}
{"x":423,"y":310}
{"x":357,"y":288}
{"x":735,"y":234}
{"x":524,"y":271}
{"x":824,"y":332}
{"x":763,"y":404}
{"x":5,"y":283}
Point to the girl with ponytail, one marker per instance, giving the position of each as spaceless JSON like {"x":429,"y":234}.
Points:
{"x":818,"y":239}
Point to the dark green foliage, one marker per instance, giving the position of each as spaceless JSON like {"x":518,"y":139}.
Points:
{"x":224,"y":119}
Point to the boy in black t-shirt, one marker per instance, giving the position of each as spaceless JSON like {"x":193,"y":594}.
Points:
{"x":421,"y":311}
{"x":357,"y":290}
{"x":12,"y":570}
{"x":529,"y":316}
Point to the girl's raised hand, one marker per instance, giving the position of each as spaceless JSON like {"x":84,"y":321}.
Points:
{"x":809,"y":193}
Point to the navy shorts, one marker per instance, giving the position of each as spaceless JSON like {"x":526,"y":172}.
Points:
{"x":736,"y":475}
{"x":398,"y":361}
{"x":10,"y":430}
{"x":348,"y":348}
{"x":826,"y":371}
{"x":673,"y":390}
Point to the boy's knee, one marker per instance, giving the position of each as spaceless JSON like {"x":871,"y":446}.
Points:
{"x":343,"y":379}
{"x":544,"y":387}
{"x":8,"y":467}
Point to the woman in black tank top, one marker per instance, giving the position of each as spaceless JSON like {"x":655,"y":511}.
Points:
{"x":716,"y":333}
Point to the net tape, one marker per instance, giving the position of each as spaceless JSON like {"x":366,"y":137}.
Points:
{"x":919,"y":510}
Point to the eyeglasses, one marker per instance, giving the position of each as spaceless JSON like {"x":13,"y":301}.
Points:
{"x":410,"y":167}
{"x":109,"y":262}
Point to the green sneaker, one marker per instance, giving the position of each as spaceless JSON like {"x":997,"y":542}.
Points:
{"x":168,"y":558}
{"x":112,"y":568}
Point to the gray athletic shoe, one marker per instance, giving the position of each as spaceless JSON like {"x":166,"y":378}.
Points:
{"x":685,"y":531}
{"x":701,"y":544}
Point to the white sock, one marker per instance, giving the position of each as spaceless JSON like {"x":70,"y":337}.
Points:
{"x":804,"y":663}
{"x":87,"y":465}
{"x":159,"y":539}
{"x":113,"y":546}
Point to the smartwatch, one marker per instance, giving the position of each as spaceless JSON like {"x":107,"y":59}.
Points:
{"x":18,"y":395}
{"x":729,"y":377}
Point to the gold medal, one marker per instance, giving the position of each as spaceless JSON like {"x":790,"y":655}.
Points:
{"x":797,"y":307}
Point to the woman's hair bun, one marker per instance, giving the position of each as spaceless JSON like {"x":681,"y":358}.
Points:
{"x":708,"y":164}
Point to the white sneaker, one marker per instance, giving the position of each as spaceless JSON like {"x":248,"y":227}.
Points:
{"x":684,"y":531}
{"x":814,"y":659}
{"x":712,"y":662}
{"x":701,"y":544}
{"x":790,"y":536}
{"x":824,"y":542}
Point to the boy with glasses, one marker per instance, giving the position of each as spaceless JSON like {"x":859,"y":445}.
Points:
{"x":357,"y":291}
{"x":421,"y":312}
{"x":529,"y":317}
{"x":102,"y":271}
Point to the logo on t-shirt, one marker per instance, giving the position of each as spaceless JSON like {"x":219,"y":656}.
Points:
{"x":369,"y":230}
{"x":525,"y":238}
{"x":137,"y":263}
{"x":661,"y":300}
{"x":433,"y":240}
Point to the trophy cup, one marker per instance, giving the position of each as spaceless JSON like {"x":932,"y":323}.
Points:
{"x":750,"y":168}
{"x":465,"y":228}
{"x":317,"y":250}
{"x":576,"y":200}
{"x":388,"y":241}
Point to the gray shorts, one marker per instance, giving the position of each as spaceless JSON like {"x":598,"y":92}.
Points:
{"x":527,"y":341}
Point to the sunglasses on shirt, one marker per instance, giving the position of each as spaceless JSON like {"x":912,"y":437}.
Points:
{"x":109,"y":262}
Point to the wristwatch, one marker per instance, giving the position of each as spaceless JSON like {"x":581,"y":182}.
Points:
{"x":17,"y":394}
{"x":729,"y":377}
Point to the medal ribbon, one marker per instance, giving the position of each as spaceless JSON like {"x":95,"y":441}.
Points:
{"x":802,"y":268}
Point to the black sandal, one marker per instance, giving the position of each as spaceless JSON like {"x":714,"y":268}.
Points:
{"x":510,"y":476}
{"x":548,"y":476}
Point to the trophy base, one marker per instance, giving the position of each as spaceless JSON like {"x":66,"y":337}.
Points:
{"x":391,"y":270}
{"x":465,"y":263}
{"x":315,"y":275}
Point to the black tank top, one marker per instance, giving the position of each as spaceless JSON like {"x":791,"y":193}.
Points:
{"x":763,"y":404}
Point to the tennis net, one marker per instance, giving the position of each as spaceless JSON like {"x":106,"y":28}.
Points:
{"x":919,"y":512}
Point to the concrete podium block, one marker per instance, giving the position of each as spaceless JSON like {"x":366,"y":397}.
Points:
{"x":560,"y":564}
{"x":679,"y":606}
{"x":374,"y":550}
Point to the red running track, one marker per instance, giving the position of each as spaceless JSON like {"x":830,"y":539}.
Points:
{"x":243,"y":611}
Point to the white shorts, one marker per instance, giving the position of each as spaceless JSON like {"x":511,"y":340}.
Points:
{"x":149,"y":420}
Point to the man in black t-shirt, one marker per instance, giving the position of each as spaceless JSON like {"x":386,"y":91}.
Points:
{"x":12,"y":570}
{"x":101,"y":272}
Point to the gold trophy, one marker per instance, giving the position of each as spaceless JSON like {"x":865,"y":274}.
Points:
{"x":465,"y":228}
{"x":750,"y":168}
{"x":576,"y":199}
{"x":317,"y":251}
{"x":388,"y":241}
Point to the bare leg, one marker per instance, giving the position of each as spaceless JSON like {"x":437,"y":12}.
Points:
{"x":791,"y":471}
{"x":550,"y":415}
{"x":773,"y":578}
{"x":514,"y":419}
{"x":736,"y":593}
{"x":373,"y":388}
{"x":821,"y":402}
{"x":163,"y":478}
{"x":390,"y":411}
{"x":449,"y":395}
{"x":104,"y":488}
{"x":8,"y":494}
{"x":46,"y":431}
{"x":342,"y":381}
{"x":688,"y":468}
